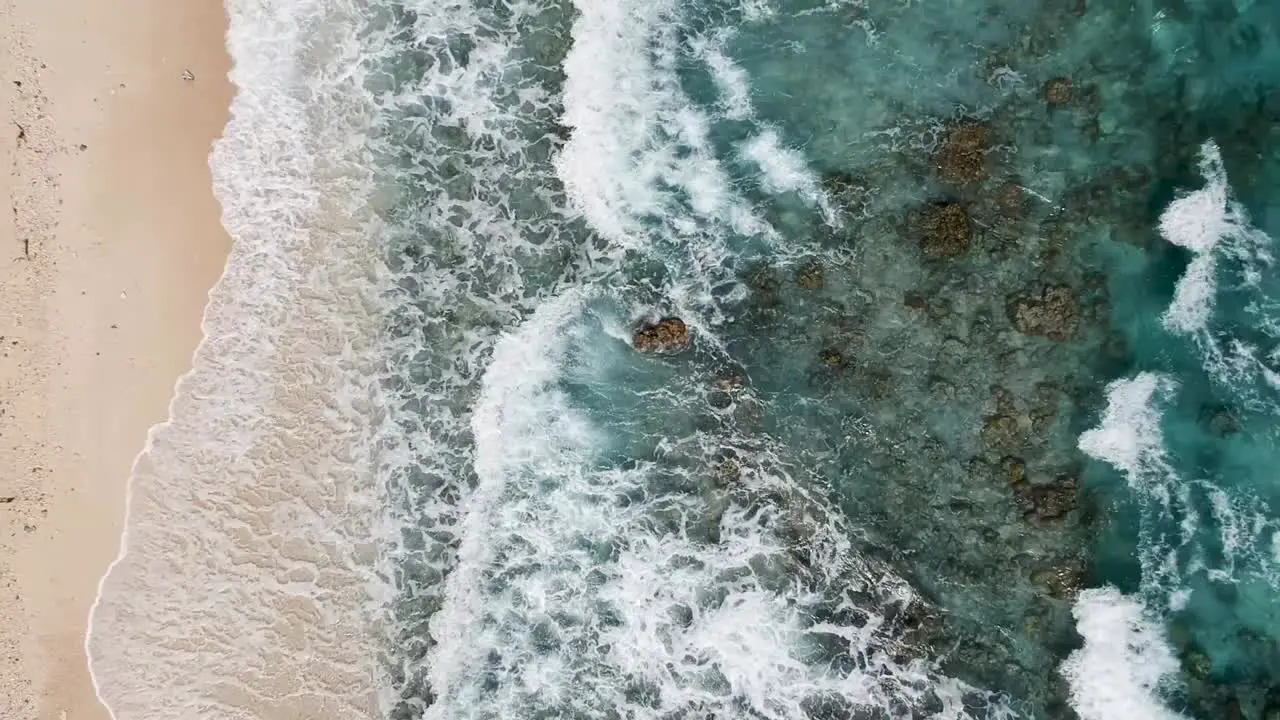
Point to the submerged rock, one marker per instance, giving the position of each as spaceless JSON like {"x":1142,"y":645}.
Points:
{"x":850,"y":193}
{"x":963,"y":158}
{"x":1059,"y":91}
{"x":830,"y":357}
{"x":668,"y":335}
{"x":1009,"y":197}
{"x":1054,"y":313}
{"x":1015,"y":470}
{"x":1219,"y":421}
{"x":1001,"y":432}
{"x":765,"y":288}
{"x":947,"y":231}
{"x":1048,"y":502}
{"x":1062,"y":581}
{"x":729,"y":382}
{"x":810,"y":276}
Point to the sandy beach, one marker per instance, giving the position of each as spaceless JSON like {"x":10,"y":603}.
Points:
{"x":107,"y":254}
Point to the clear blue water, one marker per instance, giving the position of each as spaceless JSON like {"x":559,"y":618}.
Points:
{"x":979,"y":417}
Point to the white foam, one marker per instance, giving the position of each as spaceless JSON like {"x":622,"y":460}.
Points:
{"x":1217,"y":229}
{"x":785,"y":170}
{"x":242,"y":588}
{"x":1125,"y":663}
{"x":1213,"y":226}
{"x":1198,"y":220}
{"x":640,"y":164}
{"x":730,"y":79}
{"x":1129,"y":436}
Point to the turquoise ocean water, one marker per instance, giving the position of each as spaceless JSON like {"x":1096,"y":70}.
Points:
{"x":979,"y":418}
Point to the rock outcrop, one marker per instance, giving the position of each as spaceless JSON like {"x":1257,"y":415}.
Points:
{"x":1059,"y":91}
{"x":962,"y":159}
{"x":1054,"y":313}
{"x":810,"y":276}
{"x":668,"y":335}
{"x":947,"y":231}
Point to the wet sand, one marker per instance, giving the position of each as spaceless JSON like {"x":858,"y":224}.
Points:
{"x":107,"y":252}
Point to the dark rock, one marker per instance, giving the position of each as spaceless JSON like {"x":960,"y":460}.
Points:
{"x":947,"y":231}
{"x":1001,"y":432}
{"x":850,"y":193}
{"x":1219,"y":421}
{"x":810,"y":276}
{"x":941,"y":388}
{"x":747,"y":414}
{"x":1059,"y":91}
{"x":915,"y":301}
{"x":1198,"y":665}
{"x":1116,"y":347}
{"x":827,"y":705}
{"x":978,"y":468}
{"x":1015,"y":470}
{"x":719,"y":400}
{"x":1063,"y":581}
{"x":1009,"y":197}
{"x":963,"y":158}
{"x":729,"y":473}
{"x":668,"y":335}
{"x":1048,"y":502}
{"x":830,"y":357}
{"x":1045,"y":410}
{"x":729,"y":383}
{"x":1054,"y":313}
{"x":880,"y":384}
{"x":765,"y":288}
{"x":1005,"y":403}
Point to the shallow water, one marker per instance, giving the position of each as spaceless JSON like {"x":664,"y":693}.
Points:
{"x":977,"y":420}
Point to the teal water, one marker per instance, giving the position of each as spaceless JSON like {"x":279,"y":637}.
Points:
{"x":883,"y":478}
{"x":979,"y":414}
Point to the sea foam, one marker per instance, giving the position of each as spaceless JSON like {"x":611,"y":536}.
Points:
{"x":1213,"y":226}
{"x":1125,"y":662}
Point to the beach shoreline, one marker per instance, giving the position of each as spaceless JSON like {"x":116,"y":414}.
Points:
{"x":111,"y":246}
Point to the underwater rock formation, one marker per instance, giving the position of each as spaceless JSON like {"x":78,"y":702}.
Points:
{"x":668,"y":335}
{"x":947,"y":231}
{"x":963,"y":158}
{"x":1009,"y":198}
{"x":830,"y":357}
{"x":1058,"y":91}
{"x":1054,"y":313}
{"x":1047,"y":502}
{"x":1062,"y":581}
{"x":849,"y":192}
{"x":810,"y":276}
